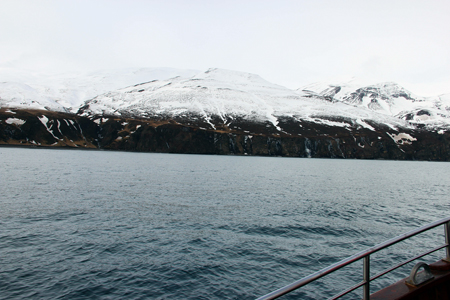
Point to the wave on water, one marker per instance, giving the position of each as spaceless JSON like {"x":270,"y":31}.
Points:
{"x":146,"y":228}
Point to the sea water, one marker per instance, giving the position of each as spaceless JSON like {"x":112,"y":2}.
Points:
{"x":115,"y":225}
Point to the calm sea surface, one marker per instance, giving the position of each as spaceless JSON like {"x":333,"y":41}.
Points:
{"x":115,"y":225}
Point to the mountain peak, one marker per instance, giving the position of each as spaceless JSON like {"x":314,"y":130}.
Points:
{"x":236,"y":78}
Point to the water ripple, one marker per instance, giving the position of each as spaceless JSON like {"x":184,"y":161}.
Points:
{"x":111,"y":225}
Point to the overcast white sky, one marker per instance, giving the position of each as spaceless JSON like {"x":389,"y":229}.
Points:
{"x":291,"y":43}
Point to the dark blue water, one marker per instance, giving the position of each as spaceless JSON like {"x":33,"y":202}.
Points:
{"x":112,"y":225}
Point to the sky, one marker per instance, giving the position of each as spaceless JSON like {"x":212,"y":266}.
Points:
{"x":290,"y":43}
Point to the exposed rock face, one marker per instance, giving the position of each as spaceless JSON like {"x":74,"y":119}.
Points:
{"x":46,"y":128}
{"x":178,"y":135}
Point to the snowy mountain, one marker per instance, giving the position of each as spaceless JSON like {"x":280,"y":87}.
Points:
{"x":218,"y":93}
{"x":229,"y":94}
{"x":66,"y":92}
{"x":222,"y":112}
{"x":388,"y":99}
{"x":15,"y":94}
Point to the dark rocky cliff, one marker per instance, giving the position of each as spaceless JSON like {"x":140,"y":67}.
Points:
{"x":196,"y":136}
{"x":46,"y":128}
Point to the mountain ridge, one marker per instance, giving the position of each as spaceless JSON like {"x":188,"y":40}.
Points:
{"x":67,"y":92}
{"x":73,"y":94}
{"x":221,"y":93}
{"x":229,"y":112}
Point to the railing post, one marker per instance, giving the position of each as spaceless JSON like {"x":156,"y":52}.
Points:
{"x":447,"y":241}
{"x":366,"y":278}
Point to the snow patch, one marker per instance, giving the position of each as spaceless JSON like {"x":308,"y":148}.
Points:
{"x":402,"y":138}
{"x":15,"y":121}
{"x":332,"y":123}
{"x":364,"y":124}
{"x":44,"y":120}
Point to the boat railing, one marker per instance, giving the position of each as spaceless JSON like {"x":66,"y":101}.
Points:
{"x":365,"y":256}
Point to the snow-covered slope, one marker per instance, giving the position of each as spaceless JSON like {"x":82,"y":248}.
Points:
{"x":215,"y":92}
{"x":14,"y":94}
{"x":228,"y":94}
{"x":386,"y":98}
{"x":220,"y":94}
{"x":66,"y":92}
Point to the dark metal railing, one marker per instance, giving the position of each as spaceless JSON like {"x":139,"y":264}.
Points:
{"x":365,"y":255}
